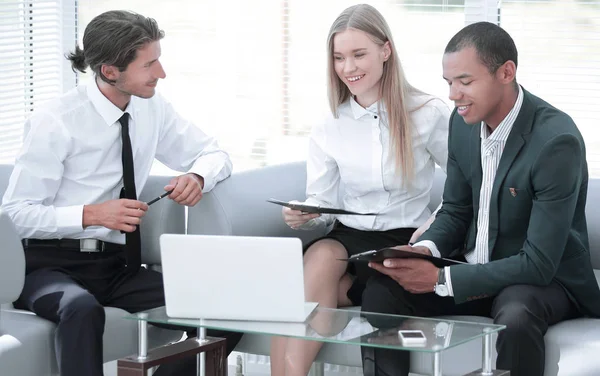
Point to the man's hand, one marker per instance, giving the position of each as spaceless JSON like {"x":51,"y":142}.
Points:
{"x":123,"y":214}
{"x":187,"y":189}
{"x":415,"y":275}
{"x":419,"y":249}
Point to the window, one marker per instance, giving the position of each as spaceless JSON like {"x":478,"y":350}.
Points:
{"x":33,"y":36}
{"x":254,"y":76}
{"x":559,"y":59}
{"x":252,"y":73}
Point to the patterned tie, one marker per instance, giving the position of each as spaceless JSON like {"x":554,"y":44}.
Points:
{"x":133,"y":246}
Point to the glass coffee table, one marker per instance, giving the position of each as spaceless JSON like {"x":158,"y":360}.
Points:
{"x":344,"y":326}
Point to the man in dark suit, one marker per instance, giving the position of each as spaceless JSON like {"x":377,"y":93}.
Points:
{"x":513,"y":206}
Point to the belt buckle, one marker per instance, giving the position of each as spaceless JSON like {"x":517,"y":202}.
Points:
{"x":90,"y":245}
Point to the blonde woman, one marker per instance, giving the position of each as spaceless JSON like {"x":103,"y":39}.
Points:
{"x":375,"y":153}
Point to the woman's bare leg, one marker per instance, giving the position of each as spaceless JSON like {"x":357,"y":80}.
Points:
{"x":324,"y":277}
{"x":278,"y":345}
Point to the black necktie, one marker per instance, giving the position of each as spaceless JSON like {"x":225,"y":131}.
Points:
{"x":132,"y":239}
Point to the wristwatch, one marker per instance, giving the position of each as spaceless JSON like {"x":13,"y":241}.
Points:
{"x":440,"y":287}
{"x":441,"y":329}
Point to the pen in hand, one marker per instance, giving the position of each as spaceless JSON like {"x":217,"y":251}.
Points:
{"x":159,"y":197}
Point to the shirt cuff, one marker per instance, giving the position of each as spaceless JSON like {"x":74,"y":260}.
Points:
{"x":209,"y":182}
{"x":69,"y":218}
{"x":212,"y":169}
{"x":431,"y":245}
{"x":448,"y":281}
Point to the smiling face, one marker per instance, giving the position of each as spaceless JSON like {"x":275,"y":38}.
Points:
{"x":139,"y":78}
{"x":358,"y":62}
{"x":478,"y":94}
{"x":142,"y":74}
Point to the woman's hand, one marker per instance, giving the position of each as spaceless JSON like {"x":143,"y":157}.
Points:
{"x":296,"y":218}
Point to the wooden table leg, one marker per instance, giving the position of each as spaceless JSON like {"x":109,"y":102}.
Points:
{"x":216,"y":357}
{"x":216,"y":361}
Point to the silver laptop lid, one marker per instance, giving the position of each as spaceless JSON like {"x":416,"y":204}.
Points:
{"x":233,"y":277}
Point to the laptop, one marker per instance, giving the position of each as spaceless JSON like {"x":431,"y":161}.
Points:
{"x":234,"y":278}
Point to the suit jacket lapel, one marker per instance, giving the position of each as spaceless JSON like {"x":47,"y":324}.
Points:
{"x":476,"y":172}
{"x":514,"y":144}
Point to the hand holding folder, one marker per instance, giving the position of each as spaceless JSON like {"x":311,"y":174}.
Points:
{"x":315,"y":209}
{"x":379,"y":255}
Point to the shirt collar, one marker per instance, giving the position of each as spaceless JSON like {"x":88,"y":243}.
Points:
{"x":109,"y":112}
{"x":501,"y":133}
{"x":359,"y":111}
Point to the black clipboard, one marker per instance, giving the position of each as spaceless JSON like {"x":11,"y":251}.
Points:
{"x":386,"y":253}
{"x":315,"y":209}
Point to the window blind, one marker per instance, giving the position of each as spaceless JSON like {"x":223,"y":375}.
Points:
{"x":32,"y":39}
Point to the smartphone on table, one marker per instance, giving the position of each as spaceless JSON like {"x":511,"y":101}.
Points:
{"x":412,"y":337}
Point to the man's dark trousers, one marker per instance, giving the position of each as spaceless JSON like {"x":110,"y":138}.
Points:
{"x":71,"y":289}
{"x":526,"y":310}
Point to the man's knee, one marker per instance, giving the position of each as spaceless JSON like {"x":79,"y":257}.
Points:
{"x":376,"y":295}
{"x":518,"y":308}
{"x":83,"y":306}
{"x":383,"y":295}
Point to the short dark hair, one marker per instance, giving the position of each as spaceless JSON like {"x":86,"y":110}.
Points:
{"x":493,"y":45}
{"x":113,"y":38}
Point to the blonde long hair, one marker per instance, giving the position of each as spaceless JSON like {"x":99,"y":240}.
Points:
{"x":394,"y":88}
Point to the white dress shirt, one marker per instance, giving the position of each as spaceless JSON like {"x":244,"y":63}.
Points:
{"x":71,"y":157}
{"x":492,"y":146}
{"x":350,"y":165}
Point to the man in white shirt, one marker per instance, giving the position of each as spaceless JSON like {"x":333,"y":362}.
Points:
{"x":85,"y":158}
{"x":513,"y":206}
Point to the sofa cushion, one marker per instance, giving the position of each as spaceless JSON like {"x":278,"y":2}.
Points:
{"x":572,"y":348}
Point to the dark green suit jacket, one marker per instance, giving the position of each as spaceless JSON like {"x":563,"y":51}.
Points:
{"x":537,"y":226}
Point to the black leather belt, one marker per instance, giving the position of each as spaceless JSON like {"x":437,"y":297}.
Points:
{"x":75,"y":245}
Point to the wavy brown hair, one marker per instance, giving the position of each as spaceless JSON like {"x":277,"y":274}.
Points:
{"x":394,"y":88}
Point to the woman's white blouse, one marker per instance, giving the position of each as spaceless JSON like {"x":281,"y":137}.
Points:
{"x":350,"y":165}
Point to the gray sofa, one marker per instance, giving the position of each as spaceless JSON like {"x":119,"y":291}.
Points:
{"x":27,"y":341}
{"x":237,"y":207}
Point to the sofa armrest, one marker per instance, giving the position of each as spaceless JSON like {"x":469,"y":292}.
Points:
{"x":12,"y":261}
{"x":238,"y":206}
{"x":163,"y":217}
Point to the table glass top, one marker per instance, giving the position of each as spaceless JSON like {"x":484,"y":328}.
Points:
{"x":345,"y":326}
